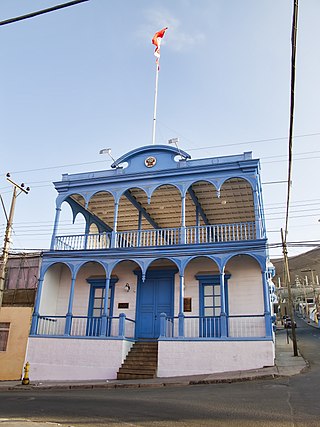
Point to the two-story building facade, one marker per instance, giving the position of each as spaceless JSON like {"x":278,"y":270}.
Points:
{"x":173,"y":255}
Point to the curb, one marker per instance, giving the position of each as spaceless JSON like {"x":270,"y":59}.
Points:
{"x":141,"y":385}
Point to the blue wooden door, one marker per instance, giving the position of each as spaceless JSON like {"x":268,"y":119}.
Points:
{"x":155,"y":297}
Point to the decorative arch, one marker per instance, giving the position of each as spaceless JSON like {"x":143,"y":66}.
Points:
{"x":260,"y":259}
{"x":161,"y":263}
{"x":56,"y":276}
{"x":201,"y":203}
{"x":165,"y":206}
{"x":133,"y":210}
{"x":250,"y":180}
{"x":190,"y":259}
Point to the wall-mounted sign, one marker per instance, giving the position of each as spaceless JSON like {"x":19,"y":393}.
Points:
{"x":150,"y":161}
{"x":123,"y":305}
{"x":187,"y":306}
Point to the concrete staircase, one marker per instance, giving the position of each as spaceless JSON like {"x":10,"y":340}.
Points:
{"x":141,"y":362}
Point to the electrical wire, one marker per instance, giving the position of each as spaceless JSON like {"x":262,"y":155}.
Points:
{"x":41,"y":12}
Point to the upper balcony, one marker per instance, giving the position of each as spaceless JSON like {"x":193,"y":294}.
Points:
{"x":158,"y":201}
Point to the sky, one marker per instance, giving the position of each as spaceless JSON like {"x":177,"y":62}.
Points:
{"x":81,"y":79}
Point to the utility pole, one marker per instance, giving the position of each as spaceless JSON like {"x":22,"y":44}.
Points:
{"x":6,"y":243}
{"x":287,"y":284}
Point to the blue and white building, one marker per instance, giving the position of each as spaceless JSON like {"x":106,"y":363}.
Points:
{"x":173,"y":250}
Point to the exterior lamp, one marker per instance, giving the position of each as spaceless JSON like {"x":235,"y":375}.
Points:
{"x":108,"y":152}
{"x":127,"y":287}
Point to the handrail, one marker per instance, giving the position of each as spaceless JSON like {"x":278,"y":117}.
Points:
{"x":214,"y":233}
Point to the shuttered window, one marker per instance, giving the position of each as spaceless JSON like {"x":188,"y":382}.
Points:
{"x":4,"y":335}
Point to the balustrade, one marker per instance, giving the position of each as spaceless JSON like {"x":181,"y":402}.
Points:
{"x":160,"y":237}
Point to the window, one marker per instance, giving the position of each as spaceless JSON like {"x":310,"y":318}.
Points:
{"x":211,"y":299}
{"x":4,"y":335}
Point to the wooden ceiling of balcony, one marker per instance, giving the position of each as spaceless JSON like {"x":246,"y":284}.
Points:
{"x":235,"y":204}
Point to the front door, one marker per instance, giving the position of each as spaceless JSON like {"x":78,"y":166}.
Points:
{"x":155,"y":296}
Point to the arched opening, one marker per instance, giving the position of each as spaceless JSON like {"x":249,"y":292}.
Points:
{"x":133,"y":211}
{"x":245,"y":297}
{"x":89,"y":300}
{"x":204,"y":299}
{"x":165,"y":206}
{"x":101,"y":210}
{"x":155,"y":296}
{"x":236,"y":201}
{"x":125,"y":295}
{"x":201,"y":200}
{"x":54,"y":300}
{"x":72,"y":220}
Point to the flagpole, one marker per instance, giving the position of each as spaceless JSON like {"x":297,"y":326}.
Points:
{"x":155,"y":104}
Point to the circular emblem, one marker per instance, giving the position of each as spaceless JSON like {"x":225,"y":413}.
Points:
{"x":150,"y":161}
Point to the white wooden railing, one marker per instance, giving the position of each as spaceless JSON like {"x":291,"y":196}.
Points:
{"x":246,"y":326}
{"x":159,"y":237}
{"x":194,"y":327}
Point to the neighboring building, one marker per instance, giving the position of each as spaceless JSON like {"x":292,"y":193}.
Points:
{"x":305,"y":288}
{"x":173,"y":257}
{"x":15,"y":313}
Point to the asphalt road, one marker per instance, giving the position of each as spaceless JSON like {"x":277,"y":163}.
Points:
{"x":294,"y":401}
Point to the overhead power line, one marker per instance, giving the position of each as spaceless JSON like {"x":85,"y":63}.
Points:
{"x":41,"y":12}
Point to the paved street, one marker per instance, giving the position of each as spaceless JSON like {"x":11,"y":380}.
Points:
{"x":291,"y":401}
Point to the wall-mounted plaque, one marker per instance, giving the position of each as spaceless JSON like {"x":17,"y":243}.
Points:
{"x":123,"y":305}
{"x":187,"y":306}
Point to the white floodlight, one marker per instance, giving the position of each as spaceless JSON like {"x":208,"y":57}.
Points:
{"x":107,"y":151}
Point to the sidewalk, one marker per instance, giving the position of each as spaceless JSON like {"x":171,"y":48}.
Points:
{"x":285,"y":365}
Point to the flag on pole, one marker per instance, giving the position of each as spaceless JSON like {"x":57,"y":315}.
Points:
{"x":156,"y":40}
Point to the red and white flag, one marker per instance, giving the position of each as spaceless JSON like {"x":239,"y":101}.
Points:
{"x":156,"y":40}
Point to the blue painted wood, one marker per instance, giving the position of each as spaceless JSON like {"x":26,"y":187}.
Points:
{"x":212,"y":289}
{"x":141,"y":209}
{"x":155,"y":296}
{"x":96,"y":323}
{"x":199,"y":209}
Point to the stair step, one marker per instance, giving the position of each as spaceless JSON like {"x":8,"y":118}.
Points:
{"x":133,"y":376}
{"x":143,"y":356}
{"x":141,"y":361}
{"x":136,"y":371}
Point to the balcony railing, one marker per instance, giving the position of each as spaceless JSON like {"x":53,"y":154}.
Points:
{"x":189,"y":327}
{"x":160,"y":237}
{"x":193,"y":327}
{"x":85,"y":326}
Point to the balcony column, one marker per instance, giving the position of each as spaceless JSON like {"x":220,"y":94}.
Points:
{"x":223,"y":314}
{"x":35,"y":313}
{"x":181,"y":303}
{"x":67,"y":329}
{"x":197,"y":223}
{"x":266,"y":300}
{"x":257,"y":215}
{"x":183,"y":219}
{"x":115,"y":224}
{"x":104,"y":318}
{"x":139,"y":228}
{"x":86,"y":232}
{"x":55,"y":228}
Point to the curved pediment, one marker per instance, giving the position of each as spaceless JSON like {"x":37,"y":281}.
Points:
{"x":151,"y":157}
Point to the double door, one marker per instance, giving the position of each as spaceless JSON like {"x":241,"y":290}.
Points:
{"x":155,"y":296}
